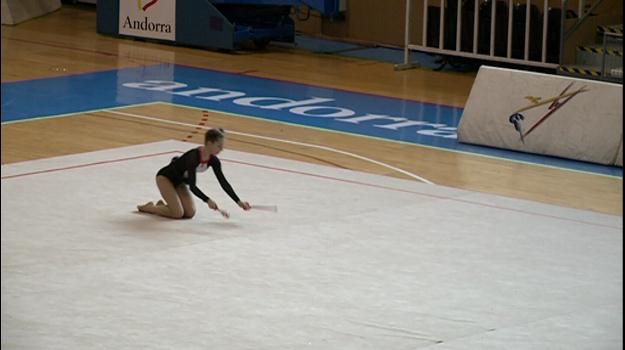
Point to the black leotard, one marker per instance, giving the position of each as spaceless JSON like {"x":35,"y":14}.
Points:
{"x":183,"y":169}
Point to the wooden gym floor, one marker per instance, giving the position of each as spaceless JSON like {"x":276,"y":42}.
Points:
{"x":66,"y":42}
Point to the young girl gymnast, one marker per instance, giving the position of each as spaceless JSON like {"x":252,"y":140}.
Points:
{"x":176,"y":179}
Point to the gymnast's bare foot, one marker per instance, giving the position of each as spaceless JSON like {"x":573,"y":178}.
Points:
{"x":144,"y":208}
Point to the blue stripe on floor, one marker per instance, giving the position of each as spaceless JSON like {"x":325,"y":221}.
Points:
{"x":351,"y":112}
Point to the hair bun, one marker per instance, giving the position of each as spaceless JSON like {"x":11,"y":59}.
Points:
{"x":214,"y":134}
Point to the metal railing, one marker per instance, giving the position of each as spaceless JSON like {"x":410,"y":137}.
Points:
{"x":474,"y":53}
{"x":612,"y":70}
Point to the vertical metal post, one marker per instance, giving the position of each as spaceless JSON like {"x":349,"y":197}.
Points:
{"x":510,"y":14}
{"x":528,"y":4}
{"x":565,"y":5}
{"x":476,"y":20}
{"x":425,"y":23}
{"x":493,"y":12}
{"x":441,"y":34}
{"x":580,"y":8}
{"x":407,"y":63}
{"x":603,"y":56}
{"x":545,"y":24}
{"x":407,"y":34}
{"x":458,"y":25}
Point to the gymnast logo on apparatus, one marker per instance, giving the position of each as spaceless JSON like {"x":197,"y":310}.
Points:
{"x":552,"y":104}
{"x":308,"y":107}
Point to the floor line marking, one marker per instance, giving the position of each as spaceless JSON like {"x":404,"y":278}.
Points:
{"x":330,"y":149}
{"x":51,"y":116}
{"x":297,"y":172}
{"x":84,"y":165}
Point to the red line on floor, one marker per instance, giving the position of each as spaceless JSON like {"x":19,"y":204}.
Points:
{"x":198,"y":127}
{"x":321,"y":177}
{"x":420,"y":193}
{"x":85,"y":165}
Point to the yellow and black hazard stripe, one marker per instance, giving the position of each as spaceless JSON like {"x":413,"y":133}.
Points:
{"x":610,"y":29}
{"x":581,"y":71}
{"x":611,"y":52}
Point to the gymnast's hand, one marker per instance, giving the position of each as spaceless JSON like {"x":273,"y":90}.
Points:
{"x":212,"y":204}
{"x":244,"y":205}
